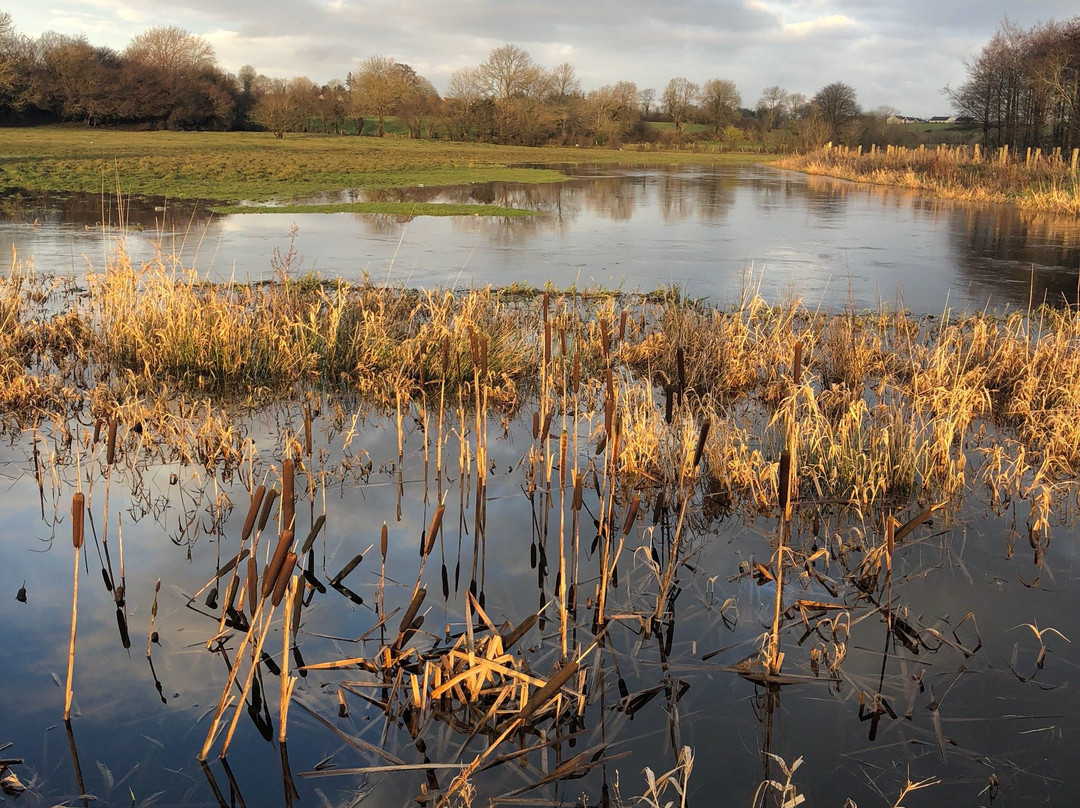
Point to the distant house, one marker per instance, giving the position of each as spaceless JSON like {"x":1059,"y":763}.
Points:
{"x":943,"y":119}
{"x":893,"y":120}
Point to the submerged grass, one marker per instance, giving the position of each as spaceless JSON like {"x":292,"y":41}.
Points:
{"x":1031,"y":181}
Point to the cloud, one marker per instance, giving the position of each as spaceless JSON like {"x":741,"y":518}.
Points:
{"x":900,"y":54}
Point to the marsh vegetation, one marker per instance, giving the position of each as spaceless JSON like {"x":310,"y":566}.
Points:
{"x":595,"y":508}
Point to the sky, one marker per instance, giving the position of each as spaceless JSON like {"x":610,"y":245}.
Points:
{"x":897,"y":53}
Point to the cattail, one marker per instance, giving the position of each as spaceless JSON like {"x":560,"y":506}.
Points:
{"x":622,"y":325}
{"x":785,"y":481}
{"x":284,"y":573}
{"x":267,"y":507}
{"x":384,"y":541}
{"x":702,"y":436}
{"x":796,"y":365}
{"x":110,"y":447}
{"x":78,"y":510}
{"x":543,"y":694}
{"x":605,"y":337}
{"x":313,"y":533}
{"x":414,"y":607}
{"x":631,"y":515}
{"x":276,"y":562}
{"x":337,"y":579}
{"x":253,"y":511}
{"x":307,"y":431}
{"x":288,"y":494}
{"x":433,"y":530}
{"x":579,"y":484}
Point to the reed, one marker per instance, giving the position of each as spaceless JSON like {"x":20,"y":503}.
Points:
{"x":1032,"y":181}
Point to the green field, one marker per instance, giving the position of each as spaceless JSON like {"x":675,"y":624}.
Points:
{"x":235,"y":167}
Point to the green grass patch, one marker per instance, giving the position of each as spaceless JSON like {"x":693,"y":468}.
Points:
{"x":234,"y":167}
{"x":384,"y":208}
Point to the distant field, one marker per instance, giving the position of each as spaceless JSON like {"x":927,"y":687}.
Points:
{"x":247,"y":166}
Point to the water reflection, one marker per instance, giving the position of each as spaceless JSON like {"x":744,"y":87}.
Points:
{"x":830,"y":242}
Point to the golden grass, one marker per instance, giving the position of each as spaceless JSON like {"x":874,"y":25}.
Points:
{"x":1032,"y":181}
{"x":891,"y":410}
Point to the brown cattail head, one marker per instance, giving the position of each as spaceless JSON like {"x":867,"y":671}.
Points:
{"x":631,"y":515}
{"x":784,"y":483}
{"x":622,"y":325}
{"x":579,"y":485}
{"x":433,"y":529}
{"x":796,"y":365}
{"x":277,"y":561}
{"x":78,"y":511}
{"x":307,"y":431}
{"x":288,"y":494}
{"x":267,"y":506}
{"x":110,"y":447}
{"x":605,"y":337}
{"x":702,"y":437}
{"x":384,"y":541}
{"x":284,"y":573}
{"x":253,"y":511}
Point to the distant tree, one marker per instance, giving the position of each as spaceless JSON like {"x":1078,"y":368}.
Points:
{"x":647,"y":98}
{"x":517,"y":87}
{"x":720,"y":103}
{"x":837,"y":105}
{"x":420,"y":103}
{"x":614,"y":112}
{"x":564,"y":82}
{"x":679,"y":98}
{"x":773,"y":106}
{"x":463,"y":98}
{"x":171,"y":50}
{"x":510,"y":72}
{"x":377,"y":88}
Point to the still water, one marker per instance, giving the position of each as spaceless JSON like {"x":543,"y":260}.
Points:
{"x":712,"y":232}
{"x":974,"y":698}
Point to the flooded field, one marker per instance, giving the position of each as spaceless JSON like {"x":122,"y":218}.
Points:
{"x":829,"y":242}
{"x":535,"y":545}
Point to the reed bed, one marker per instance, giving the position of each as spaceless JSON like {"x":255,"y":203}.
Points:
{"x":891,"y":409}
{"x":1031,"y":180}
{"x":653,"y":419}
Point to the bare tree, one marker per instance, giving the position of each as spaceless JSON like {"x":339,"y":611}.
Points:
{"x":647,"y":98}
{"x":772,"y":106}
{"x":679,"y":98}
{"x":463,"y":97}
{"x":720,"y":103}
{"x":171,"y":50}
{"x":564,"y":82}
{"x":510,"y":72}
{"x":837,"y":106}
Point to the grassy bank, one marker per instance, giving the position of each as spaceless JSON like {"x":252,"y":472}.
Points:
{"x":236,"y":166}
{"x":1032,"y":181}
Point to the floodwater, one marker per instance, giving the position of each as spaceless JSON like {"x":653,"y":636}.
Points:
{"x":954,"y":673}
{"x":712,"y":232}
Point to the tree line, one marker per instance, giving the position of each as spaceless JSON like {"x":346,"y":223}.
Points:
{"x":1023,"y":89}
{"x":169,"y":78}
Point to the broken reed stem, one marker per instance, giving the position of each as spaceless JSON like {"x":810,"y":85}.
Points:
{"x":231,"y":678}
{"x":288,"y":681}
{"x":786,"y":489}
{"x":252,"y":667}
{"x":78,"y":509}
